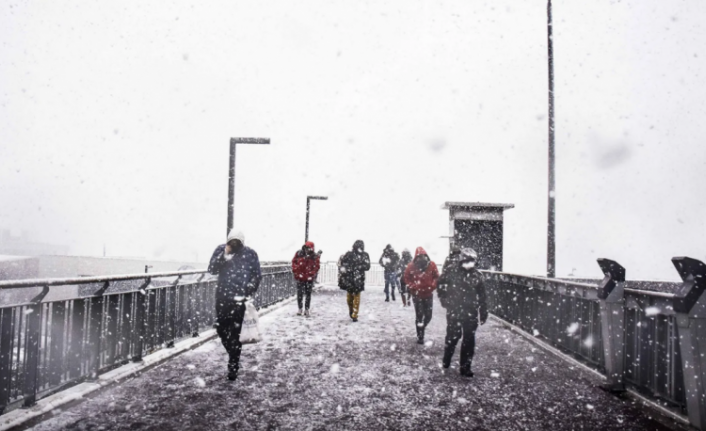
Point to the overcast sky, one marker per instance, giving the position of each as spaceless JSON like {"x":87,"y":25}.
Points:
{"x":115,"y":119}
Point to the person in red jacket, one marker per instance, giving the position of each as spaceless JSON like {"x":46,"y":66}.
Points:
{"x":305,"y":266}
{"x":421,"y":277}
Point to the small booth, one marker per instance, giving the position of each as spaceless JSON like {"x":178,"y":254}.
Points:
{"x":478,"y":225}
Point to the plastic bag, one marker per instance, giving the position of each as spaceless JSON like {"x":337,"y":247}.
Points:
{"x":250,"y":332}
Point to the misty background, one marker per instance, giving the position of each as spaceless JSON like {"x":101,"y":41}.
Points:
{"x":115,"y":120}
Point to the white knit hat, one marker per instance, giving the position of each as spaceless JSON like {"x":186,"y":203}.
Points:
{"x":236,"y":234}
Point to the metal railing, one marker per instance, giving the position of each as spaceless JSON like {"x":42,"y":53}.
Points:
{"x":637,"y":338}
{"x":328,"y":274}
{"x":47,"y":345}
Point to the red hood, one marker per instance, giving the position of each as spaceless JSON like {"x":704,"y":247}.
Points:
{"x":310,"y":245}
{"x":420,"y":251}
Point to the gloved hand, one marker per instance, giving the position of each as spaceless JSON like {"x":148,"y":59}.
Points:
{"x":483,"y":317}
{"x":319,"y":252}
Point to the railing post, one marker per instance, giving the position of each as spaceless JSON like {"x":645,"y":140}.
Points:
{"x":34,"y":326}
{"x":170,"y":309}
{"x":195,"y":300}
{"x":690,"y":308}
{"x":95,"y":333}
{"x":612,"y":307}
{"x":140,"y":311}
{"x":6,"y":336}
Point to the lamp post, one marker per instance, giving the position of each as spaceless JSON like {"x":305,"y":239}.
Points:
{"x":551,"y":210}
{"x":231,"y":173}
{"x":308,"y":199}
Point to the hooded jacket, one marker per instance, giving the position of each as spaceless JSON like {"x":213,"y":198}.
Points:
{"x":421,"y":282}
{"x":461,"y":290}
{"x":405,"y":260}
{"x":352,"y":267}
{"x":305,"y":265}
{"x":239,"y":275}
{"x":389,"y":260}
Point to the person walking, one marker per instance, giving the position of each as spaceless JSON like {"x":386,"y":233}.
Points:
{"x":351,"y":276}
{"x":305,"y":266}
{"x":404,"y":292}
{"x":390,"y":261}
{"x":239,"y":277}
{"x":421,"y":277}
{"x":462,"y":292}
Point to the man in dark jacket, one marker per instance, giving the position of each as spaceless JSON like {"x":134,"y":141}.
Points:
{"x":462,"y":293}
{"x":404,"y":262}
{"x":351,"y":276}
{"x":239,"y":276}
{"x":390,"y":261}
{"x":305,"y":266}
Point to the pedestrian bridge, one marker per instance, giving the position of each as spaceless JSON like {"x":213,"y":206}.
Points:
{"x":538,"y":362}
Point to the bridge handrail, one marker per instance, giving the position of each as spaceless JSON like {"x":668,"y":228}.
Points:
{"x":40,"y":282}
{"x":47,"y":344}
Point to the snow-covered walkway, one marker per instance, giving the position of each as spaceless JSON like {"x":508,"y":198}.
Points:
{"x":326,"y":372}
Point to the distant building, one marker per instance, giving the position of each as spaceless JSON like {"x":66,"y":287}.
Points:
{"x":23,"y":246}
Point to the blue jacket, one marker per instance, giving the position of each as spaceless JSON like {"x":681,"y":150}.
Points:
{"x":238,"y":276}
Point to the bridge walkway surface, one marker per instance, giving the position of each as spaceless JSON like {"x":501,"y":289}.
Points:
{"x":326,"y":372}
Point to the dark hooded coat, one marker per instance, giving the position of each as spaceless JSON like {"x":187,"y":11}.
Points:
{"x":352,"y":267}
{"x":461,"y":290}
{"x":389,"y":260}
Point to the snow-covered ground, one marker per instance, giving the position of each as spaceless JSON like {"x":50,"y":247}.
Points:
{"x":326,"y":372}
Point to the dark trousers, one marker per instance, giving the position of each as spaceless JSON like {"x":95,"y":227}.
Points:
{"x":422,"y":310}
{"x":304,"y":289}
{"x":229,"y":321}
{"x":458,"y":326}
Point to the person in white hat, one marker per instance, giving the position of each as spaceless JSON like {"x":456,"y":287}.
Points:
{"x":239,"y":276}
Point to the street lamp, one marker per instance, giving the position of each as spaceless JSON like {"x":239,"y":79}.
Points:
{"x":308,"y":199}
{"x":551,"y":210}
{"x":231,"y":173}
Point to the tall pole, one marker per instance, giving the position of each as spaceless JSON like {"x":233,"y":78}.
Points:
{"x":308,"y":200}
{"x":306,"y":234}
{"x":551,"y":222}
{"x":231,"y":174}
{"x":231,"y":186}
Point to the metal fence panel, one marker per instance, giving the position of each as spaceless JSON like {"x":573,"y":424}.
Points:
{"x":46,"y":346}
{"x":566,"y":315}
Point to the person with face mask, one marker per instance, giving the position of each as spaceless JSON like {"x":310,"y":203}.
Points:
{"x":421,"y":276}
{"x":239,"y":277}
{"x":305,"y":266}
{"x":462,"y":292}
{"x":351,"y":276}
{"x":404,"y":292}
{"x":390,"y":261}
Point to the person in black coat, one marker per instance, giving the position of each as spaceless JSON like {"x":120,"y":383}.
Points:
{"x":351,"y":276}
{"x":462,"y":292}
{"x":390,"y":262}
{"x":239,"y":277}
{"x":404,"y":292}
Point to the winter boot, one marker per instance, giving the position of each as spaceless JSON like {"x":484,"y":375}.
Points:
{"x":300,"y":312}
{"x":420,"y":335}
{"x":307,"y":313}
{"x":446,"y":362}
{"x":466,"y":371}
{"x":232,"y":370}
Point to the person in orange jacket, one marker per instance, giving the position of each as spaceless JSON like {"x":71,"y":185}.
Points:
{"x":421,"y":277}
